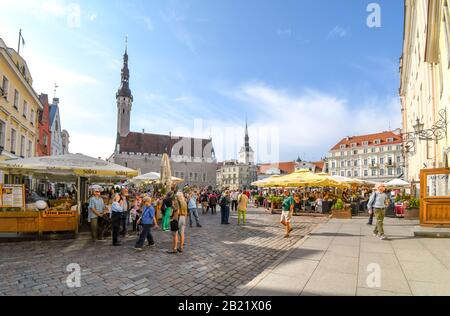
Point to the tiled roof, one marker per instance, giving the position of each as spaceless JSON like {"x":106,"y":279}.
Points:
{"x":285,"y":167}
{"x":319,"y":164}
{"x":358,"y":140}
{"x":145,"y":143}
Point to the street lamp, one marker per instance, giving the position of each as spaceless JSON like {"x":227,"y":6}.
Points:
{"x":436,"y":133}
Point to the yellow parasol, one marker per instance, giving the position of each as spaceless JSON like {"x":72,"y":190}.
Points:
{"x":266,"y":183}
{"x":305,"y":178}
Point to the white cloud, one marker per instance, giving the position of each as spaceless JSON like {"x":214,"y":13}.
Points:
{"x":91,"y":144}
{"x":93,"y":17}
{"x":180,"y":31}
{"x":148,"y":23}
{"x":339,"y":31}
{"x":284,"y":32}
{"x":313,"y":119}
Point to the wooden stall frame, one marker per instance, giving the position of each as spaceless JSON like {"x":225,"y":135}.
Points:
{"x":434,"y":210}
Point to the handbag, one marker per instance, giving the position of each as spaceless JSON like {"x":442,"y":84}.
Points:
{"x":174,"y":225}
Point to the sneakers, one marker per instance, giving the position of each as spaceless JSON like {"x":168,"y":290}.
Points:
{"x":286,"y":236}
{"x":199,"y":226}
{"x":180,"y":250}
{"x":138,"y":249}
{"x":383,"y":237}
{"x":375,"y":235}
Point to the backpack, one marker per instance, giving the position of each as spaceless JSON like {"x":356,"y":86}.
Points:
{"x":163,"y":209}
{"x":213,"y":199}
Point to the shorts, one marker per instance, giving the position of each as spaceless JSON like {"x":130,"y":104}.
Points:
{"x":286,"y":217}
{"x":181,"y":225}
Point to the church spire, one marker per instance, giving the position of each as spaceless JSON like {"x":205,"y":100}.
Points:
{"x":247,"y":139}
{"x":124,"y":89}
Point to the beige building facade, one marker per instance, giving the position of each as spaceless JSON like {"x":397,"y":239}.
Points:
{"x":19,"y":107}
{"x":425,"y":85}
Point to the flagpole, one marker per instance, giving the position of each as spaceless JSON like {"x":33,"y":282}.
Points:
{"x":18,"y":46}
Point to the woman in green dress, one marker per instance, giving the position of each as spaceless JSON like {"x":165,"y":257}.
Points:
{"x":167,"y":210}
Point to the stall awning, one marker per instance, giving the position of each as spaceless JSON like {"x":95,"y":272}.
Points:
{"x":68,"y":166}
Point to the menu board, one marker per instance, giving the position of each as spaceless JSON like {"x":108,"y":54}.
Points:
{"x":12,"y":196}
{"x":438,"y":185}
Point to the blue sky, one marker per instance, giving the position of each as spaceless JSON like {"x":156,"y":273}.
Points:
{"x":305,"y":72}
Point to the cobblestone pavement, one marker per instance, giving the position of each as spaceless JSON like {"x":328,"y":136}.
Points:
{"x":218,"y":259}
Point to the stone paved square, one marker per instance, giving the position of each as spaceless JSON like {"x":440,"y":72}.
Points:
{"x":218,"y":260}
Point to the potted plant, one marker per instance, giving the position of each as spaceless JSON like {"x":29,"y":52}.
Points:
{"x":341,"y":210}
{"x":276,"y":203}
{"x":412,"y":211}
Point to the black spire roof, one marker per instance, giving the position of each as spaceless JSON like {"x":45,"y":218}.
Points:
{"x":124,"y":89}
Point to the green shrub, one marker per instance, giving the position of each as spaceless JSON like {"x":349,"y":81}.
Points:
{"x":339,"y":205}
{"x":414,"y":203}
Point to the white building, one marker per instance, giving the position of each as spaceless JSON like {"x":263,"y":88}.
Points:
{"x":376,"y":157}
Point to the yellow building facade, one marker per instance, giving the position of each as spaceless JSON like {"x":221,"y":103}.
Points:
{"x":425,"y":85}
{"x":19,"y":107}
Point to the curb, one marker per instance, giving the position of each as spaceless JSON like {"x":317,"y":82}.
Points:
{"x":244,"y":290}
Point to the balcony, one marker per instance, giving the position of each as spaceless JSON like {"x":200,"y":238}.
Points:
{"x":373,"y":166}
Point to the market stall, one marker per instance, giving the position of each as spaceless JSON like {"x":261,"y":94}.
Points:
{"x":53,"y":216}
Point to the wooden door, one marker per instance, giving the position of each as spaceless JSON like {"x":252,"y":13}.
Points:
{"x":435,"y":197}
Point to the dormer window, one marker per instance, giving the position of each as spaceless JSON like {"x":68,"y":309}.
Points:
{"x":343,"y":146}
{"x":377,"y":141}
{"x":354,"y":145}
{"x":365,"y":143}
{"x":390,"y":140}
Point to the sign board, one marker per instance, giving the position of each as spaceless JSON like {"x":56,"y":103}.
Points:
{"x":438,"y":185}
{"x":12,"y":196}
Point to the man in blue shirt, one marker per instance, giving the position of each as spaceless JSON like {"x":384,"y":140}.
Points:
{"x":146,"y":220}
{"x":96,"y":210}
{"x":192,"y":206}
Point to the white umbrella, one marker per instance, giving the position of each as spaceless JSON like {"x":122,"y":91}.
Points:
{"x":397,"y":183}
{"x":96,"y":187}
{"x":153,"y":177}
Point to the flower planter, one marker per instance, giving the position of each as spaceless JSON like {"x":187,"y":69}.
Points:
{"x":275,"y":208}
{"x":412,"y":213}
{"x":345,"y":213}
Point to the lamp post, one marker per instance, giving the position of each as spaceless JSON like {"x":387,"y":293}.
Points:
{"x":436,"y":133}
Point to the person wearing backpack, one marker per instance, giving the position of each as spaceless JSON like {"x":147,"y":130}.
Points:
{"x":224,"y":203}
{"x":178,"y":223}
{"x":166,"y":210}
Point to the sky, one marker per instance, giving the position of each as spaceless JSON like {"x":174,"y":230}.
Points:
{"x":304,"y":73}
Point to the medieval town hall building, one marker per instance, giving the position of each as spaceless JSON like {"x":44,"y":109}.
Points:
{"x":192,"y":159}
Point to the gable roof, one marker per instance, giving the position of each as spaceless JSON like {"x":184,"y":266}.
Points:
{"x":371,"y":138}
{"x":146,"y":143}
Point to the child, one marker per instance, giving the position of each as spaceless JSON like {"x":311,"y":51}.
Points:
{"x":147,"y":219}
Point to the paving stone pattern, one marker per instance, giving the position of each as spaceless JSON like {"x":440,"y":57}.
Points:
{"x":218,"y":260}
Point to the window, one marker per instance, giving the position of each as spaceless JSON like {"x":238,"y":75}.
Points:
{"x":190,"y":176}
{"x":342,"y":173}
{"x":399,"y":171}
{"x":13,"y":141}
{"x":391,"y":171}
{"x":390,"y":161}
{"x":349,"y":174}
{"x":366,"y":173}
{"x":366,"y":143}
{"x":176,"y":174}
{"x":343,"y":146}
{"x":355,"y":163}
{"x":399,"y":159}
{"x":374,"y":162}
{"x":204,"y":177}
{"x":22,"y":146}
{"x":30,"y":145}
{"x":2,"y":133}
{"x":182,"y":175}
{"x":342,"y":163}
{"x":366,"y":150}
{"x":333,"y":174}
{"x":354,"y":145}
{"x":373,"y":150}
{"x":374,"y":173}
{"x":196,"y":176}
{"x":349,"y":163}
{"x":381,"y":161}
{"x":365,"y":162}
{"x":333,"y":165}
{"x":399,"y":147}
{"x":389,"y":148}
{"x":377,"y":141}
{"x":381,"y":149}
{"x":381,"y":172}
{"x":356,"y":173}
{"x":355,"y":152}
{"x":342,"y":154}
{"x":45,"y":139}
{"x":5,"y":87}
{"x":390,"y":140}
{"x":32,"y":117}
{"x":25,"y":109}
{"x":16,"y":99}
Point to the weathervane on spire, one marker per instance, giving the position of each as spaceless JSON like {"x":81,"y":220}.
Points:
{"x":54,"y":90}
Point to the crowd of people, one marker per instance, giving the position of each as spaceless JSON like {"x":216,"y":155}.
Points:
{"x":118,"y":212}
{"x":124,"y":212}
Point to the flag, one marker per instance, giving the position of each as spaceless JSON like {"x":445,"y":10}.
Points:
{"x":23,"y":41}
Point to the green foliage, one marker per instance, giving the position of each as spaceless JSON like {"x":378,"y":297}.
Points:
{"x":339,"y":205}
{"x":398,"y":198}
{"x":276,"y":199}
{"x":414,"y":203}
